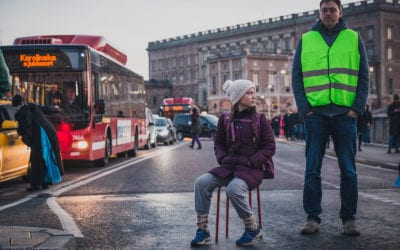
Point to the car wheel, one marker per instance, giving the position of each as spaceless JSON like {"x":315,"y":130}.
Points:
{"x":179,"y":135}
{"x":212,"y":134}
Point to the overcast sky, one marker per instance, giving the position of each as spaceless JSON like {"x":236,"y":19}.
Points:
{"x":131,"y":24}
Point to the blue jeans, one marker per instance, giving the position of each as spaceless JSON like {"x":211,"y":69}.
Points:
{"x":236,"y":190}
{"x":342,"y":129}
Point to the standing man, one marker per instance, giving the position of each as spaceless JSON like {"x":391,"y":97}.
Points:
{"x":330,"y":85}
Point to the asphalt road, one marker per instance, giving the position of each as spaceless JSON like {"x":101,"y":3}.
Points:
{"x":147,"y":203}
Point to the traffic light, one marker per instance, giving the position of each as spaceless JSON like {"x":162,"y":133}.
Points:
{"x":5,"y":83}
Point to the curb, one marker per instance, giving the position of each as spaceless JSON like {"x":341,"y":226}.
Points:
{"x":16,"y":237}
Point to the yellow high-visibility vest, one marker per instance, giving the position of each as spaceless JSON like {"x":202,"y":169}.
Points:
{"x":330,"y":74}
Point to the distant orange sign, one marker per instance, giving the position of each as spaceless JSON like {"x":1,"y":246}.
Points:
{"x":29,"y":61}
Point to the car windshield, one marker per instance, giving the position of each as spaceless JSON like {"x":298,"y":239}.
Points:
{"x":212,"y":118}
{"x":161,"y":122}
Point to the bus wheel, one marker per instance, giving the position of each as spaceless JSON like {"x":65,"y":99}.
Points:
{"x":102,"y":162}
{"x":133,"y":152}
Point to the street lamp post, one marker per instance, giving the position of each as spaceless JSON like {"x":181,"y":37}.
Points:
{"x":269,"y":100}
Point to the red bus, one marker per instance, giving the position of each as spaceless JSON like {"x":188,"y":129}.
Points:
{"x":107,"y":115}
{"x":172,"y":106}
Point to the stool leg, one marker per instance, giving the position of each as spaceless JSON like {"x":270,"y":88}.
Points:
{"x":250,"y":200}
{"x":217,"y":219}
{"x":227,"y":217}
{"x":259,"y":208}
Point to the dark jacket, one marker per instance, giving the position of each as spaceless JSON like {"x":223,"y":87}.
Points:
{"x":30,"y":119}
{"x":195,"y":127}
{"x":394,"y":118}
{"x":245,"y":157}
{"x":363,"y":76}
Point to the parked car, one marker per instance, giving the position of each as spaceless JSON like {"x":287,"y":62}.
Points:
{"x":173,"y":128}
{"x":14,"y":154}
{"x":183,"y":123}
{"x":165,"y":131}
{"x":151,"y":131}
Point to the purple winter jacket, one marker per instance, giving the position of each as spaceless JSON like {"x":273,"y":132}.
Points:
{"x":245,"y":157}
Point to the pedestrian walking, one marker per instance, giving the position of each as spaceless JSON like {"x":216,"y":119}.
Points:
{"x":361,"y":124}
{"x":195,"y":128}
{"x":244,"y":145}
{"x":393,"y":112}
{"x":39,"y":134}
{"x":330,"y":83}
{"x":366,"y":138}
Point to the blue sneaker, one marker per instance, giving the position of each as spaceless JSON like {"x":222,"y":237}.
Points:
{"x":249,"y":237}
{"x":202,"y":238}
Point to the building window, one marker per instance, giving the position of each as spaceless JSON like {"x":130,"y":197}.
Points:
{"x":154,"y":100}
{"x":225,"y":78}
{"x":181,"y":76}
{"x":196,"y":59}
{"x":237,"y":75}
{"x":189,"y":75}
{"x":389,"y":53}
{"x":181,"y":59}
{"x":389,"y":32}
{"x":390,"y":85}
{"x":370,"y":33}
{"x":173,"y":62}
{"x":214,"y":85}
{"x":188,"y":60}
{"x":256,"y":80}
{"x":370,"y":51}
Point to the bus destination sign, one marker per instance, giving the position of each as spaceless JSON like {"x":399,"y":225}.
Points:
{"x":37,"y":60}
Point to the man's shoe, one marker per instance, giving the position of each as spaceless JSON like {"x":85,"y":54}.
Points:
{"x":198,"y":147}
{"x":249,"y":237}
{"x":310,"y":227}
{"x":202,"y":238}
{"x":350,"y":228}
{"x":190,"y":146}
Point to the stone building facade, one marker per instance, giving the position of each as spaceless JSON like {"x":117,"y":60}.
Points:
{"x":198,"y":64}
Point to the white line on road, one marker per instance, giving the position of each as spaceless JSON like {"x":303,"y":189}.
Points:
{"x":65,"y":218}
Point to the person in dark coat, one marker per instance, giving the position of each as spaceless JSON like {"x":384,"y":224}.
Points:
{"x":366,"y":138}
{"x":393,"y":112}
{"x":195,"y":128}
{"x":31,"y":123}
{"x":244,"y":145}
{"x":361,"y":124}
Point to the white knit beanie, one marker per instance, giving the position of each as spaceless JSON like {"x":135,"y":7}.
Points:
{"x":236,"y":90}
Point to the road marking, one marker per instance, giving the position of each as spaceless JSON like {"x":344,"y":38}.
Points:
{"x":65,"y":218}
{"x":379,"y":198}
{"x":361,"y":193}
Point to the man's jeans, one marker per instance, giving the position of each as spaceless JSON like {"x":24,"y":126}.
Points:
{"x":342,"y":130}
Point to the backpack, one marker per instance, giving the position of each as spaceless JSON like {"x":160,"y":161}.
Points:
{"x":269,"y":169}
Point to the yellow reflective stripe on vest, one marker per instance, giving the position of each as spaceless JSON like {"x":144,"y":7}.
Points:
{"x":330,"y":73}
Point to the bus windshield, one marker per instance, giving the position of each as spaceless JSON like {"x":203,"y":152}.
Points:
{"x":63,"y":96}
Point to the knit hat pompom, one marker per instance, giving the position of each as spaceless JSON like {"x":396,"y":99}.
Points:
{"x":236,"y":90}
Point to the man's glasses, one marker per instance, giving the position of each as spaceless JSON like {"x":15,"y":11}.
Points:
{"x":331,"y":10}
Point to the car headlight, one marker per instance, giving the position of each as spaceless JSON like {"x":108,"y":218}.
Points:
{"x":163,"y":132}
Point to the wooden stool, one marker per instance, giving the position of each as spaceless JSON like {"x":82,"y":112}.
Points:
{"x":227,"y":212}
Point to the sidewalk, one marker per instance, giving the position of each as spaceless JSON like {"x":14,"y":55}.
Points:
{"x":35,"y":238}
